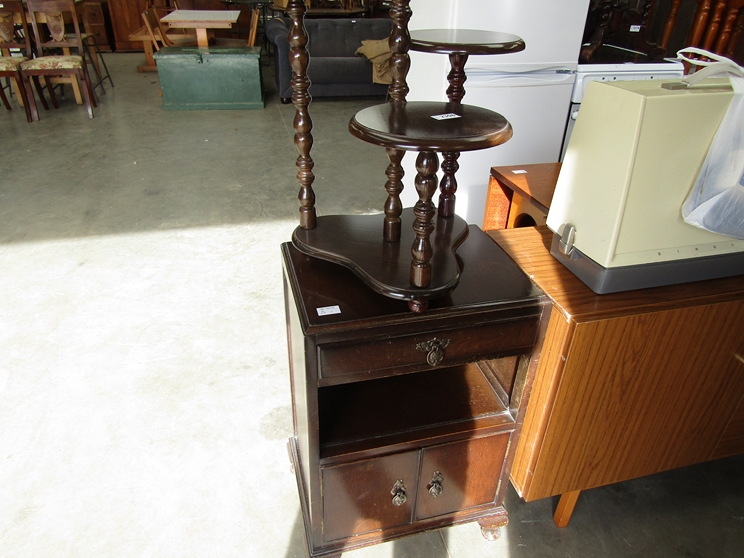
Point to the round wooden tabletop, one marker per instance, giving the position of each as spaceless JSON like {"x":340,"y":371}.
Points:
{"x":430,"y":126}
{"x":465,"y":41}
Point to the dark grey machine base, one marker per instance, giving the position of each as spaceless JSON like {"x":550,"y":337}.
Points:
{"x":627,"y":278}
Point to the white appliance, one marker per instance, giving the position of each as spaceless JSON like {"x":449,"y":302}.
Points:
{"x":633,"y":158}
{"x":532,"y":88}
{"x":587,"y":73}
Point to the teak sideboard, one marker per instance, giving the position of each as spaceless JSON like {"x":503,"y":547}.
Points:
{"x":628,"y":384}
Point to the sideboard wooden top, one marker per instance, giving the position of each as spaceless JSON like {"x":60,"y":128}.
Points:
{"x":529,"y":247}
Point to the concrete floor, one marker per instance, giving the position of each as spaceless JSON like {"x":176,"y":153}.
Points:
{"x":144,"y":395}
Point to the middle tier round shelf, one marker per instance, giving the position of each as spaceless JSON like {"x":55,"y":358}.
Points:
{"x":430,"y":126}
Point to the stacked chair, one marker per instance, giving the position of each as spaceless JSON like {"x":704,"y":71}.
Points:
{"x":160,"y":34}
{"x":10,"y":66}
{"x":65,"y":67}
{"x":56,"y":55}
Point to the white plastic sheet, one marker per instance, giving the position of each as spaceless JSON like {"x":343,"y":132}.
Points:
{"x":716,"y":201}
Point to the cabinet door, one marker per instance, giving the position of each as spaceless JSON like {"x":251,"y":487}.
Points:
{"x":467,"y":473}
{"x":642,"y":394}
{"x":358,"y":497}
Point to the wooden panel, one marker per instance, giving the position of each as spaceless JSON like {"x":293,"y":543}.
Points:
{"x":530,"y":248}
{"x":503,"y":372}
{"x":498,"y":201}
{"x":357,"y":497}
{"x":469,"y":471}
{"x":126,"y":18}
{"x":641,"y":394}
{"x":548,"y":374}
{"x":536,"y":182}
{"x":304,"y":401}
{"x":732,"y":440}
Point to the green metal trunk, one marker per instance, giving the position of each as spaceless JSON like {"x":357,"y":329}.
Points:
{"x":195,"y":78}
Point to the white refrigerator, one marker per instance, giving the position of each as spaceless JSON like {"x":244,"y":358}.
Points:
{"x":532,"y":88}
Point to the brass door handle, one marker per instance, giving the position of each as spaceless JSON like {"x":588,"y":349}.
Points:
{"x":434,"y":349}
{"x":399,"y":493}
{"x":435,"y":484}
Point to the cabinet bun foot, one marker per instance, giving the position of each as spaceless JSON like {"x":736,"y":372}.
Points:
{"x":491,"y":525}
{"x":491,"y":534}
{"x":418,"y":306}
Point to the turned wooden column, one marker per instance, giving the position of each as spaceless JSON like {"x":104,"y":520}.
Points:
{"x":303,"y":124}
{"x":427,"y":164}
{"x":670,"y":23}
{"x":400,"y":63}
{"x":394,"y":186}
{"x":400,"y":42}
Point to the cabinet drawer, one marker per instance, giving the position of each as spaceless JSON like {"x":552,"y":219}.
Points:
{"x":99,"y":32}
{"x":94,"y":23}
{"x":457,"y":346}
{"x":357,"y":497}
{"x":461,"y":474}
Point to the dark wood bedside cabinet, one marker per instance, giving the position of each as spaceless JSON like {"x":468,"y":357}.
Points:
{"x":407,"y":422}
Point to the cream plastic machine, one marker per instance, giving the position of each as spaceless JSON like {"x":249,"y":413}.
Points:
{"x":632,"y":159}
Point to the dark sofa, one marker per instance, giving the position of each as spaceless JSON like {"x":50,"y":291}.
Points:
{"x":334,"y":69}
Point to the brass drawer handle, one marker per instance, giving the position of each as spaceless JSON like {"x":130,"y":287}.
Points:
{"x":434,"y":349}
{"x":435,"y":484}
{"x":399,"y":493}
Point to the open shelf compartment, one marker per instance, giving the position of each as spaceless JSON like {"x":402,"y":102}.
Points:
{"x":376,"y":414}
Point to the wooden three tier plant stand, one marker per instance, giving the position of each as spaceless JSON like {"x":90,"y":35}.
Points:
{"x":411,"y":335}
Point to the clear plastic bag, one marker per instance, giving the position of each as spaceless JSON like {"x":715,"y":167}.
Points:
{"x":716,"y":202}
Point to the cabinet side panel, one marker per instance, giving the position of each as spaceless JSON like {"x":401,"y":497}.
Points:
{"x":546,"y":380}
{"x":641,"y":394}
{"x":498,"y":201}
{"x":297,"y":365}
{"x":732,"y":441}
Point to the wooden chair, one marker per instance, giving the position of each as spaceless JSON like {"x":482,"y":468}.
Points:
{"x":619,"y":25}
{"x":163,"y":8}
{"x":53,"y":36}
{"x":10,"y":66}
{"x":717,"y":25}
{"x":159,"y":34}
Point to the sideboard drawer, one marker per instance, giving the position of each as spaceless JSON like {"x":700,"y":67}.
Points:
{"x":369,"y":495}
{"x":439,"y":348}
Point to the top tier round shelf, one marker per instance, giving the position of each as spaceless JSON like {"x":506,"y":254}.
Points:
{"x":414,"y":126}
{"x":465,"y":41}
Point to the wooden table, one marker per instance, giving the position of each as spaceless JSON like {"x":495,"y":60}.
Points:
{"x":519,"y":195}
{"x":202,"y":21}
{"x":628,"y":384}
